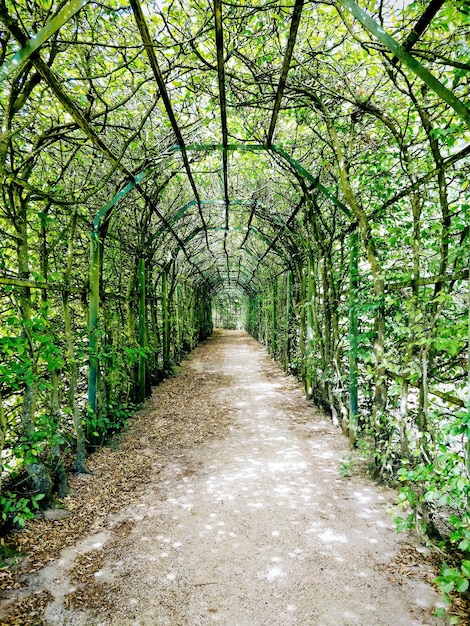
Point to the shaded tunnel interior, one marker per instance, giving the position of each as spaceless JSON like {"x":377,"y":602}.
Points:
{"x":296,"y":169}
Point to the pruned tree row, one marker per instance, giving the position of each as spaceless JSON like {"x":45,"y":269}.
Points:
{"x":297,"y":169}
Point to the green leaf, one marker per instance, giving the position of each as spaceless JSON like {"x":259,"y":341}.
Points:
{"x":446,"y":587}
{"x":466,"y":568}
{"x":430,"y":496}
{"x":450,"y":572}
{"x":464,"y":544}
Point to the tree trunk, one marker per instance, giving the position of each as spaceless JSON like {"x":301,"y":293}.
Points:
{"x":37,"y":471}
{"x":59,"y":472}
{"x":3,"y":431}
{"x":80,"y":455}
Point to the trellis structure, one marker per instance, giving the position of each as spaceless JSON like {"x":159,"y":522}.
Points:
{"x":294,"y":157}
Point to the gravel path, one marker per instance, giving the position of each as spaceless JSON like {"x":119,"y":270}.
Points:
{"x":253,"y":528}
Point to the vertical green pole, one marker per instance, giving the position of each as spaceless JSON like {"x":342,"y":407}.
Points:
{"x":142,"y":330}
{"x":260,"y":317}
{"x":288,"y":314}
{"x":353,"y":332}
{"x":310,"y":335}
{"x":177,"y":320}
{"x":201,"y":315}
{"x":274,"y":319}
{"x":468,"y":366}
{"x":265,"y":319}
{"x":93,"y":315}
{"x":181,"y":296}
{"x":165,"y":321}
{"x":208,"y":307}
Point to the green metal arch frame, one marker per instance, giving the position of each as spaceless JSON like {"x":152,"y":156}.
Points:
{"x":95,"y":247}
{"x":182,"y":210}
{"x":239,"y":202}
{"x":253,"y":229}
{"x":210,"y":272}
{"x":413,"y":64}
{"x":215,"y":280}
{"x":55,"y":24}
{"x":222,"y":281}
{"x":208,"y":278}
{"x":74,"y":6}
{"x":213,"y":147}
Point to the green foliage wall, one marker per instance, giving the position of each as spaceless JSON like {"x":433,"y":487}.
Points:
{"x":359,"y":146}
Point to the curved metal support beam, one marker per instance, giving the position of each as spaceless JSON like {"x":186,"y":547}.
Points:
{"x":221,"y":282}
{"x":399,"y":51}
{"x":23,"y":54}
{"x":311,"y":179}
{"x":254,"y":230}
{"x":212,"y":147}
{"x":149,"y":49}
{"x":294,"y":26}
{"x":181,"y":211}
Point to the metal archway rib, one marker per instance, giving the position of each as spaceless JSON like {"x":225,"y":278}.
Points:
{"x":294,"y":26}
{"x":148,"y":45}
{"x":401,"y":53}
{"x":249,"y":147}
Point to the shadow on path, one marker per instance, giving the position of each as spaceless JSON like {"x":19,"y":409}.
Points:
{"x":244,"y":521}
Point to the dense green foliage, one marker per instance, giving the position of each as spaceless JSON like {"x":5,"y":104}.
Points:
{"x":241,"y":236}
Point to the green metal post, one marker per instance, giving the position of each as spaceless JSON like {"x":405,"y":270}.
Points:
{"x":93,"y":315}
{"x":210,"y":326}
{"x":353,"y":332}
{"x":166,"y":321}
{"x":199,"y":316}
{"x":468,"y":365}
{"x":142,"y":330}
{"x":459,"y":106}
{"x":274,"y":319}
{"x":310,"y":334}
{"x":288,"y":314}
{"x":260,"y":317}
{"x":266,"y":320}
{"x":179,"y":321}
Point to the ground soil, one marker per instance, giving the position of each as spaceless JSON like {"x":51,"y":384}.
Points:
{"x":225,"y":501}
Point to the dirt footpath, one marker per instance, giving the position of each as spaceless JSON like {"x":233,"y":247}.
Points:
{"x":247,"y":521}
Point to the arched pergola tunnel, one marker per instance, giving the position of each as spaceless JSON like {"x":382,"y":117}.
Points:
{"x":301,"y":169}
{"x":232,"y":264}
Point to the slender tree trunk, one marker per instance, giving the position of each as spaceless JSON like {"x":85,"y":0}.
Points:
{"x":36,"y":470}
{"x":130,"y":314}
{"x":380,"y":388}
{"x":309,"y":330}
{"x":337,"y":366}
{"x":80,"y":455}
{"x":60,"y":474}
{"x":142,"y":373}
{"x":165,"y":322}
{"x":3,"y":432}
{"x":274,"y":319}
{"x":288,"y":320}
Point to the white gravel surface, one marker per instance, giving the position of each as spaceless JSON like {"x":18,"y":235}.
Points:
{"x":255,"y":528}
